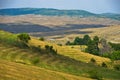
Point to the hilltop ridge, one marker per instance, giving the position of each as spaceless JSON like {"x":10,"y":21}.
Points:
{"x":55,"y":12}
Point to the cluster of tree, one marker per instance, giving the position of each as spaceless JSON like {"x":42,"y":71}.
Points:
{"x":115,"y":53}
{"x":98,"y":46}
{"x":80,"y":41}
{"x":92,"y":45}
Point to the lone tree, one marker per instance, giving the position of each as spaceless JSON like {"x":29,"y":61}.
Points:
{"x":24,"y":37}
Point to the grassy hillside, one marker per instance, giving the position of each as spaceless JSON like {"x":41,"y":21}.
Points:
{"x":57,"y":62}
{"x":71,"y":52}
{"x":16,"y":71}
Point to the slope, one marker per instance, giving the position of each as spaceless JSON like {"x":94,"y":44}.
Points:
{"x":16,"y":71}
{"x":70,"y":52}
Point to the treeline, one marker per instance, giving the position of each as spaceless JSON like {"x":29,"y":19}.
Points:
{"x":92,"y":44}
{"x":80,"y":41}
{"x":98,"y":46}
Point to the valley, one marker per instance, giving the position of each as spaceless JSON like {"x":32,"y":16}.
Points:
{"x":62,"y":28}
{"x":52,"y":44}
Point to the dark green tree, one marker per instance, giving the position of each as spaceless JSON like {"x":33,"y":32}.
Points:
{"x":77,"y":41}
{"x":96,"y":40}
{"x":86,"y":39}
{"x":92,"y":48}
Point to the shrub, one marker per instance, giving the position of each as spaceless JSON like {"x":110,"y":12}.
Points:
{"x":115,"y":46}
{"x":24,"y":37}
{"x":104,"y":64}
{"x":50,"y":49}
{"x":117,"y":67}
{"x":42,"y":38}
{"x":21,"y":45}
{"x":35,"y":60}
{"x":68,"y":43}
{"x":115,"y":55}
{"x":59,"y":44}
{"x":95,"y":75}
{"x":92,"y":60}
{"x":36,"y":49}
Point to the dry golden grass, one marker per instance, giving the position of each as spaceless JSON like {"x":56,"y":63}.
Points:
{"x":15,"y":71}
{"x":71,"y":52}
{"x":111,"y":33}
{"x":56,"y":20}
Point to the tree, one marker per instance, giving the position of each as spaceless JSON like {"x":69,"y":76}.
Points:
{"x":86,"y":39}
{"x":42,"y":38}
{"x":24,"y":37}
{"x":92,"y":48}
{"x":104,"y":47}
{"x":77,"y":41}
{"x":96,"y":40}
{"x":68,"y":43}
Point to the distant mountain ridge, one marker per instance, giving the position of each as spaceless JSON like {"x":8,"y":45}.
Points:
{"x":55,"y":12}
{"x":44,"y":11}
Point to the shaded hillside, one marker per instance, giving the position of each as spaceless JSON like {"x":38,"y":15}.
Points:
{"x":46,"y":30}
{"x":25,"y":27}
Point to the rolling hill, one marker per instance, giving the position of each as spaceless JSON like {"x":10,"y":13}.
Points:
{"x":55,"y":12}
{"x":44,"y":11}
{"x":26,"y":58}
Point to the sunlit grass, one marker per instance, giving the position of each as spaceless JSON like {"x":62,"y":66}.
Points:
{"x":71,"y":51}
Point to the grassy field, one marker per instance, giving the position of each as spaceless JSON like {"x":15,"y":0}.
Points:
{"x":61,"y":62}
{"x":16,"y":71}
